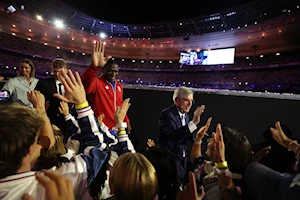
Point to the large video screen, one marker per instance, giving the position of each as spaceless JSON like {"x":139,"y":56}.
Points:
{"x":208,"y":57}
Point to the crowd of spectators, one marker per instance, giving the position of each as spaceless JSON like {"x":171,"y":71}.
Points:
{"x":273,"y":73}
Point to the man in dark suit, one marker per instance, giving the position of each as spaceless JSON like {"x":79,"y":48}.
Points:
{"x":50,"y":86}
{"x":175,"y":127}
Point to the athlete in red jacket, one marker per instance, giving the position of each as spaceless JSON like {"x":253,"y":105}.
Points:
{"x":104,"y":93}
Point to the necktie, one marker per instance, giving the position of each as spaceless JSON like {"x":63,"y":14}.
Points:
{"x":60,"y":89}
{"x":183,"y":120}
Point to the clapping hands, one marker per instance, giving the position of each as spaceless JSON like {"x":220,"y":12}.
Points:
{"x":121,"y":111}
{"x":197,"y":114}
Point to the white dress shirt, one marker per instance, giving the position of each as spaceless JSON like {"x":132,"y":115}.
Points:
{"x":59,"y":84}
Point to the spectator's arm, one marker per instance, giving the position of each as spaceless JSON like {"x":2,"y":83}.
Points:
{"x":92,"y":152}
{"x":196,"y":148}
{"x":283,"y":140}
{"x":9,"y":86}
{"x":124,"y":143}
{"x":46,"y":137}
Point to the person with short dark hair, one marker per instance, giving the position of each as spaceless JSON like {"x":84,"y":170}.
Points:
{"x":105,"y":93}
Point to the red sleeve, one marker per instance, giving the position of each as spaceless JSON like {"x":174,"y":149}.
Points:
{"x":89,"y":78}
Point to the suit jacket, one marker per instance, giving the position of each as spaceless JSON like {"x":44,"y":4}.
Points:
{"x":48,"y":87}
{"x":175,"y":136}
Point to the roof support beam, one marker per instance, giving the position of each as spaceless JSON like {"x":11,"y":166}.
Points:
{"x":128,"y":31}
{"x":93,"y":25}
{"x":149,"y":33}
{"x":112,"y":29}
{"x":170,"y":29}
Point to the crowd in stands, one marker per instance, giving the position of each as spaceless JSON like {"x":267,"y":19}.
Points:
{"x":273,"y":73}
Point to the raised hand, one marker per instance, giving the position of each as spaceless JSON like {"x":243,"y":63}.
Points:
{"x":98,"y":59}
{"x":218,"y":155}
{"x":64,"y":108}
{"x":197,"y":113}
{"x":37,"y":99}
{"x":189,"y":191}
{"x":262,"y":153}
{"x":100,"y":119}
{"x":46,"y":136}
{"x":279,"y":135}
{"x":150,"y":143}
{"x":121,"y":111}
{"x":202,"y":131}
{"x":74,"y":88}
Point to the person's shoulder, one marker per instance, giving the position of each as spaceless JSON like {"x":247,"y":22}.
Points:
{"x":46,"y":80}
{"x":16,"y":78}
{"x":13,"y":80}
{"x":119,"y":84}
{"x":33,"y":79}
{"x":101,"y":77}
{"x":44,"y":83}
{"x":169,"y":109}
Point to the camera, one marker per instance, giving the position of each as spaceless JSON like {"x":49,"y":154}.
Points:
{"x":198,"y":172}
{"x":4,"y":96}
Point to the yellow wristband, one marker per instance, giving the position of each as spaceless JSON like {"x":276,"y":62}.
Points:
{"x":83,"y":105}
{"x":122,"y":132}
{"x":221,"y":165}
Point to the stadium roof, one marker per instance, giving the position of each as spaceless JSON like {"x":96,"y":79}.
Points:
{"x":152,"y":20}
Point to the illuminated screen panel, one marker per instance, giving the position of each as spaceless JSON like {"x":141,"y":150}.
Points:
{"x":192,"y":58}
{"x":220,"y":56}
{"x":211,"y":57}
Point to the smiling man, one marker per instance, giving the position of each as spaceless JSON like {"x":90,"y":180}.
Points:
{"x":175,"y":127}
{"x":50,"y":86}
{"x":105,"y":93}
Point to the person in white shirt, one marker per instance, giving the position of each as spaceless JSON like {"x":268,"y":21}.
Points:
{"x":24,"y":82}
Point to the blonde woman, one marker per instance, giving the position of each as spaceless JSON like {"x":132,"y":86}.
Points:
{"x":23,"y":83}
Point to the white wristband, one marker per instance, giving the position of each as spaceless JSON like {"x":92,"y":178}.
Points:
{"x":121,"y":125}
{"x":196,"y":142}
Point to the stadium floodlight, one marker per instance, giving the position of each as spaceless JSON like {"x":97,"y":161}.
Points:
{"x":102,"y":35}
{"x":39,"y":17}
{"x":59,"y":23}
